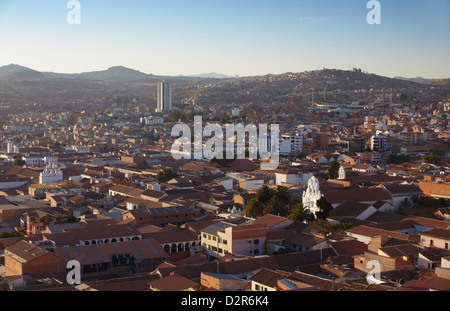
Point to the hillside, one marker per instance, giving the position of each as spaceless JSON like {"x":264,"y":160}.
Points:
{"x":23,"y":85}
{"x":443,"y":82}
{"x":12,"y":68}
{"x":22,"y":75}
{"x":417,"y":79}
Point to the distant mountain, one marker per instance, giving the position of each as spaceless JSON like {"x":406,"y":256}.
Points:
{"x":12,"y":68}
{"x":212,"y":75}
{"x":57,"y":87}
{"x":417,"y":79}
{"x":19,"y":73}
{"x":123,"y":74}
{"x":117,"y":73}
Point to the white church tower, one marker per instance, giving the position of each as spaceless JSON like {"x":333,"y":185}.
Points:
{"x":342,"y":173}
{"x":52,"y":173}
{"x":312,"y":195}
{"x":11,"y":147}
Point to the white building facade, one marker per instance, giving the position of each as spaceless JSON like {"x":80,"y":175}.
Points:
{"x":312,"y":195}
{"x":52,"y":173}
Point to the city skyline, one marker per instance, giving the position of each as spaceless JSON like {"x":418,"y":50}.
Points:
{"x":246,"y":39}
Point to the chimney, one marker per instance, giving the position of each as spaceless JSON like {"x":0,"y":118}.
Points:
{"x":377,"y":242}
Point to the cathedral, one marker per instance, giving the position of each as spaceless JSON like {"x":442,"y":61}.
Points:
{"x":52,"y":173}
{"x":312,"y":195}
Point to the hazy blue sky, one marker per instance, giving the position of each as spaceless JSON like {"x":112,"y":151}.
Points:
{"x":235,"y":37}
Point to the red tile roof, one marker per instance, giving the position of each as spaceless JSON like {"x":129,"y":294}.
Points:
{"x":29,"y":252}
{"x":350,"y":247}
{"x":103,"y":232}
{"x":356,"y":195}
{"x":101,"y":253}
{"x":270,"y":220}
{"x":173,"y":283}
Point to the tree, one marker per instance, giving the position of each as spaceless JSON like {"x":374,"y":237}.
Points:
{"x":6,"y":234}
{"x":280,"y":251}
{"x":19,"y":162}
{"x":221,"y":162}
{"x":297,"y":156}
{"x":279,"y":203}
{"x":401,"y":209}
{"x":403,"y":97}
{"x":333,"y":170}
{"x":398,"y":159}
{"x":264,"y":194}
{"x":300,"y":213}
{"x":324,"y":208}
{"x":254,"y":207}
{"x":350,"y":173}
{"x":165,"y":175}
{"x":345,"y":226}
{"x":432,"y":159}
{"x":271,"y":201}
{"x":323,"y":226}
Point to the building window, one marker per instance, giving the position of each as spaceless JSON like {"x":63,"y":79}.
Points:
{"x":225,"y":242}
{"x":446,"y":245}
{"x":256,"y":252}
{"x":431,"y":242}
{"x":256,"y":242}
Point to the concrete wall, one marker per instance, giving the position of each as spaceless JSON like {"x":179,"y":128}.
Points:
{"x":440,"y":243}
{"x":48,"y":263}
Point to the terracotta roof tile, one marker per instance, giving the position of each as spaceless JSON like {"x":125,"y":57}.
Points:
{"x":350,"y":247}
{"x":356,"y":195}
{"x":27,"y":251}
{"x":173,"y":283}
{"x":269,"y":277}
{"x":101,"y":253}
{"x":438,"y":233}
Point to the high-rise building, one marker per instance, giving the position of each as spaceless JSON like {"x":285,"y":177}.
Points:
{"x":164,"y":103}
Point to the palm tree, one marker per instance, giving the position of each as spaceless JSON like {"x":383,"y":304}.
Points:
{"x":254,"y":207}
{"x":301,"y":213}
{"x":264,"y":194}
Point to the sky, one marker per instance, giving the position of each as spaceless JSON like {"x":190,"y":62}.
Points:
{"x":233,"y":37}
